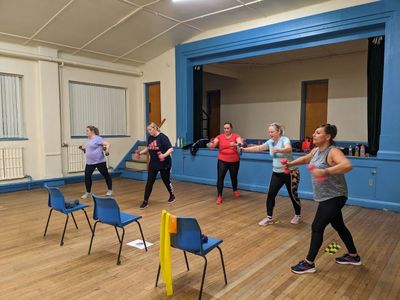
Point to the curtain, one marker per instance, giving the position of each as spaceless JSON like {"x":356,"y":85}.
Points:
{"x":101,"y":106}
{"x":374,"y":93}
{"x":197,"y":102}
{"x":11,"y":122}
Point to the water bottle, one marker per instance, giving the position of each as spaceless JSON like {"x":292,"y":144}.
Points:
{"x":362,"y":151}
{"x":177,"y":144}
{"x":182,"y":142}
{"x":356,"y":151}
{"x":350,"y":151}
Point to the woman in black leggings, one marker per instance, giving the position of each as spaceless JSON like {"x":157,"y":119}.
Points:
{"x":160,"y":149}
{"x":228,"y":159}
{"x":327,"y":166}
{"x":95,"y":150}
{"x":279,"y":147}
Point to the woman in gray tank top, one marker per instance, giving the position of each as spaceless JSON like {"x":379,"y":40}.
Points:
{"x":327,"y":166}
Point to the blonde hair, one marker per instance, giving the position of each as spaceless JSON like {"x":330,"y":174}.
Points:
{"x":154,"y":126}
{"x":278,"y":127}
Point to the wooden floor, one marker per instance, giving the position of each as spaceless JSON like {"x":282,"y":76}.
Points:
{"x":257,"y":258}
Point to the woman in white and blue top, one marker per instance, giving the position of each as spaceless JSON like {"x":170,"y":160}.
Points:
{"x":279,"y":147}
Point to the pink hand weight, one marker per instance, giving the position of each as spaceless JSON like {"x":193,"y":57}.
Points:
{"x":137,"y":154}
{"x":159,"y":156}
{"x":319,"y":179}
{"x":284,"y":162}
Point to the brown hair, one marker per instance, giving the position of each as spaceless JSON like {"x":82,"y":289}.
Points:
{"x":331,"y":130}
{"x":93,"y":129}
{"x":228,"y":123}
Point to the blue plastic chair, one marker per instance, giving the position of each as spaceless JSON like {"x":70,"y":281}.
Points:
{"x":106,"y":211}
{"x":190,"y":239}
{"x":57,"y":202}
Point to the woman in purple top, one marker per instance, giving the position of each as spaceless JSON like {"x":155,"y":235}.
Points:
{"x":95,"y":150}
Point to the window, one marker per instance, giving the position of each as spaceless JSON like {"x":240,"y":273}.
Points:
{"x":11,"y":121}
{"x":97,"y":105}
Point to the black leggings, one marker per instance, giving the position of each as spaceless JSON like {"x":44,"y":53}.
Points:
{"x":291,"y":181}
{"x":151,"y":178}
{"x":222,"y":168}
{"x":329,"y":211}
{"x":102,"y":167}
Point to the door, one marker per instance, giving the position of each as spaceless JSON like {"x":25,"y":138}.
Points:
{"x":153,"y":102}
{"x":214,"y":111}
{"x":314,"y":106}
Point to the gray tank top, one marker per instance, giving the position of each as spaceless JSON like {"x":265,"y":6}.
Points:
{"x":334,"y":185}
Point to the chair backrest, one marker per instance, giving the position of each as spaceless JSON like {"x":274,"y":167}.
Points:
{"x":188,"y":236}
{"x":56,"y":198}
{"x":106,"y":210}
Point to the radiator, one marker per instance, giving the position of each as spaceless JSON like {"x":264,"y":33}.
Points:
{"x":11,"y":163}
{"x":76,"y":159}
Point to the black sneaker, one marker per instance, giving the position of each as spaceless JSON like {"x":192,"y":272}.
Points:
{"x":171,"y":199}
{"x":303,"y":267}
{"x":144,"y":204}
{"x":347,"y":259}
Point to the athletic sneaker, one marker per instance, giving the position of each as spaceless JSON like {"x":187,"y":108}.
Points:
{"x":303,"y":267}
{"x":109,"y":193}
{"x":266,"y":221}
{"x":347,"y":259}
{"x":144,"y":204}
{"x":171,"y":199}
{"x":219,"y":200}
{"x":236,"y":193}
{"x":296,"y":219}
{"x":86,"y":195}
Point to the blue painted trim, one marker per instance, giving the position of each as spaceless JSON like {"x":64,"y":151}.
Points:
{"x":34,"y":184}
{"x":332,"y":27}
{"x":103,"y":136}
{"x":13,"y":139}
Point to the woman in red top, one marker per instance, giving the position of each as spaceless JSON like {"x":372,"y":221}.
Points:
{"x":228,"y":159}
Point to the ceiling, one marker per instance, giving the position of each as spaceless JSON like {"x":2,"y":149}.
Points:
{"x":298,"y":55}
{"x":126,"y":31}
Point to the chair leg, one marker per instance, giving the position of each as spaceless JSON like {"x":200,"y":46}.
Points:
{"x":186,"y":260}
{"x":47,"y":224}
{"x":141,"y":233}
{"x":73,"y":218}
{"x":91,"y":240}
{"x":223,"y":264}
{"x":158,"y":274}
{"x":203,"y":277}
{"x":119,"y":239}
{"x":65,"y":228}
{"x":87,"y":218}
{"x":120,"y":246}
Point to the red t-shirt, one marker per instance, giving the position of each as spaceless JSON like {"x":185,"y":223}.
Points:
{"x":227,"y":152}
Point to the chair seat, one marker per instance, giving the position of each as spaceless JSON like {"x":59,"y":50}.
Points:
{"x":78,"y":207}
{"x":127,"y":218}
{"x":211,"y":244}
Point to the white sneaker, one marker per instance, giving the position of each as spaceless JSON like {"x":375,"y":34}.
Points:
{"x":266,"y":221}
{"x":109,"y":193}
{"x":86,"y":195}
{"x":296,"y":219}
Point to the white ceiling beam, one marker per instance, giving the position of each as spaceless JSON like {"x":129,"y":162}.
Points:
{"x":146,"y":42}
{"x":180,"y":23}
{"x":248,"y":5}
{"x":221,"y":71}
{"x":70,"y":47}
{"x":157,"y":13}
{"x":48,"y":22}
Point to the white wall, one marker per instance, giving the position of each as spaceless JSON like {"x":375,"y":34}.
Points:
{"x":45,"y":126}
{"x":162,"y":69}
{"x":272,"y":93}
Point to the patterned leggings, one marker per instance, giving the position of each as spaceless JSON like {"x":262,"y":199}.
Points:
{"x":291,"y":181}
